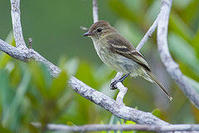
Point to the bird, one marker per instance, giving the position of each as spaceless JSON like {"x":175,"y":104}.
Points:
{"x":119,"y":54}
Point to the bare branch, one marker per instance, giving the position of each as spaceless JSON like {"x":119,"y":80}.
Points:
{"x":13,"y":51}
{"x":111,"y":105}
{"x":122,"y":127}
{"x":166,"y":58}
{"x":16,"y":23}
{"x":148,"y":34}
{"x":95,"y":11}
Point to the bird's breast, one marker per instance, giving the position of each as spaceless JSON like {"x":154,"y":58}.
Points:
{"x":114,"y":60}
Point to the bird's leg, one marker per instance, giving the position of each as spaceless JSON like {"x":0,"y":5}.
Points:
{"x":124,"y":77}
{"x":113,"y":84}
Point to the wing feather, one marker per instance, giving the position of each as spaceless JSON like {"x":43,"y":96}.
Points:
{"x":123,"y":47}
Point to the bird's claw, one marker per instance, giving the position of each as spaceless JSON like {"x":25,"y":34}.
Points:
{"x":113,"y":84}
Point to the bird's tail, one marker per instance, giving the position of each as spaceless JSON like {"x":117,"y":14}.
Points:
{"x":160,"y":85}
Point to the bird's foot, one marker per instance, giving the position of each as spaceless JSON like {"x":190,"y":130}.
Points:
{"x":113,"y":83}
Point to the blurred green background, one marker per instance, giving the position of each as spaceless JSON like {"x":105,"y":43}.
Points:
{"x":55,"y":26}
{"x":31,"y":95}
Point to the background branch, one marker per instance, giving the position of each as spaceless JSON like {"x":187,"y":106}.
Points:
{"x":166,"y":58}
{"x":95,"y":11}
{"x":148,"y":33}
{"x":122,"y":127}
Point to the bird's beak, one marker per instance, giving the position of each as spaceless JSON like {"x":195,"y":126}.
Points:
{"x":87,"y":34}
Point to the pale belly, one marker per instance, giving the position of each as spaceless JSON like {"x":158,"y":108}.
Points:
{"x":119,"y":63}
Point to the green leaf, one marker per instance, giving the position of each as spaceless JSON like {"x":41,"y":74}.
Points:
{"x":65,"y":100}
{"x":58,"y":85}
{"x":5,"y":58}
{"x":183,"y":52}
{"x":179,"y":27}
{"x":121,"y":9}
{"x":191,"y":16}
{"x":4,"y":130}
{"x":10,"y":39}
{"x":11,"y":114}
{"x":130,"y":122}
{"x":195,"y":42}
{"x":181,"y":3}
{"x":6,"y":93}
{"x":156,"y":112}
{"x":85,"y":73}
{"x":41,"y":78}
{"x":16,"y":74}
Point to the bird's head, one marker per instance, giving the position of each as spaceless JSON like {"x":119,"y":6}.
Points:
{"x":99,"y":30}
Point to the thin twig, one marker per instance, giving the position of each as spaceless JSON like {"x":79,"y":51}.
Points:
{"x":95,"y":11}
{"x":122,"y":127}
{"x":148,"y":34}
{"x":170,"y":64}
{"x":30,"y":43}
{"x":83,"y":28}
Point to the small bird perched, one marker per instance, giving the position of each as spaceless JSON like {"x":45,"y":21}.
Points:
{"x":118,"y":53}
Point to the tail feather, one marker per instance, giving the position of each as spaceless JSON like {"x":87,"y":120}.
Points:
{"x":160,"y":85}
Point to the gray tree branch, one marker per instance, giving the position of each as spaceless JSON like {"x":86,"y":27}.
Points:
{"x":124,"y":127}
{"x":16,"y":23}
{"x":112,"y":106}
{"x":169,"y":63}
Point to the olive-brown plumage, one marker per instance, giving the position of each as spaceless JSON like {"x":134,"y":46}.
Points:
{"x":118,"y":53}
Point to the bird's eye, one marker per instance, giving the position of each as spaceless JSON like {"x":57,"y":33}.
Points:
{"x":99,"y":29}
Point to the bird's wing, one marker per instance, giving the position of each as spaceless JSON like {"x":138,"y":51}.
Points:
{"x":123,"y":47}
